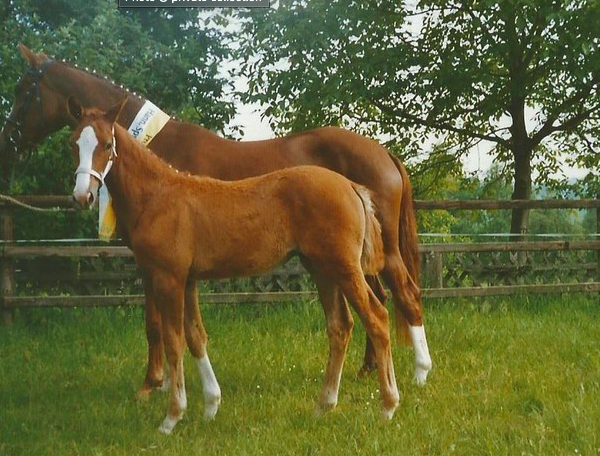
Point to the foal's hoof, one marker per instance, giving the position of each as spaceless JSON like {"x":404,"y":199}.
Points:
{"x":387,"y":413}
{"x":366,"y":370}
{"x":168,"y":425}
{"x":322,"y":409}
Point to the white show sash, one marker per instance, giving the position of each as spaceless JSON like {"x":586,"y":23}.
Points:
{"x":148,"y":122}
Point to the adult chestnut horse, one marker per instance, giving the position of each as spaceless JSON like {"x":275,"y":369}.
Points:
{"x":182,"y":228}
{"x":40,"y":108}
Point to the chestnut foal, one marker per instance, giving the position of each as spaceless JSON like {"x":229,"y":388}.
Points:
{"x":182,"y":228}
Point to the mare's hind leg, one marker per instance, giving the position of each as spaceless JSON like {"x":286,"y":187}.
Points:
{"x":154,"y":372}
{"x":339,"y":327}
{"x":406,"y":295}
{"x":369,"y":363}
{"x":374,"y":316}
{"x":196,"y":337}
{"x":169,"y":294}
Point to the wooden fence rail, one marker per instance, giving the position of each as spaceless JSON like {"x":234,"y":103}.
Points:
{"x":437,"y":267}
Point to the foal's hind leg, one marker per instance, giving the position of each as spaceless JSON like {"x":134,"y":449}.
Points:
{"x":406,"y":295}
{"x":339,"y":328}
{"x":154,"y":373}
{"x":196,"y":337}
{"x":374,"y":316}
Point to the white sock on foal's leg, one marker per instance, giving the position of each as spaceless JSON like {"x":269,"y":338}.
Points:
{"x":210,"y":386}
{"x":422,"y":358}
{"x":170,"y":421}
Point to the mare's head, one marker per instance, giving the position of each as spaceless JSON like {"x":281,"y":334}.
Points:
{"x":33,"y":113}
{"x":94,"y":148}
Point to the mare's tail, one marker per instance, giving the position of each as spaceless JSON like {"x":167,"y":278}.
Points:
{"x":372,"y":258}
{"x":409,"y":250}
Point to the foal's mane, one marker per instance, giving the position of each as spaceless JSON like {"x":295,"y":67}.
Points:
{"x":141,"y":154}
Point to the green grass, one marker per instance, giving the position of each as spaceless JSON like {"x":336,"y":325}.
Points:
{"x":510,"y":377}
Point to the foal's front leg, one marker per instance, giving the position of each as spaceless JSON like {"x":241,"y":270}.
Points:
{"x":154,"y":372}
{"x":169,"y":294}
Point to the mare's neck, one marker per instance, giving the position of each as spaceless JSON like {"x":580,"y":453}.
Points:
{"x":91,"y":90}
{"x":136,"y":175}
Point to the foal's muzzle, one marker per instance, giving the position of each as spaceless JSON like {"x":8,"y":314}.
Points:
{"x":86,"y":198}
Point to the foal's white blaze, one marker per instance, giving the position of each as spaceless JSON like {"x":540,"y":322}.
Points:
{"x":210,"y":386}
{"x":422,"y":358}
{"x":87,"y":142}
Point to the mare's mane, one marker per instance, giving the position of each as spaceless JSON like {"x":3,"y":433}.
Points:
{"x":103,"y":79}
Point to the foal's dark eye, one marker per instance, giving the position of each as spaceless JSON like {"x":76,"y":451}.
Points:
{"x":107,"y":146}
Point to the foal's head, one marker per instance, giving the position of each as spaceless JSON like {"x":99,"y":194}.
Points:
{"x":94,"y":148}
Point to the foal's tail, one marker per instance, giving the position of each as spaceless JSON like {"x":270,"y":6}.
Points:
{"x":372,"y":258}
{"x":409,"y":249}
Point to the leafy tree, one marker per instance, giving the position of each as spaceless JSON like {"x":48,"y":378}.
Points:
{"x":520,"y":75}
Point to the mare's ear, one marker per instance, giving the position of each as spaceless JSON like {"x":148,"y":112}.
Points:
{"x":74,"y":107}
{"x":35,"y":60}
{"x":113,"y":113}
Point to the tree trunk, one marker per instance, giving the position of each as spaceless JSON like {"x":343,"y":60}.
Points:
{"x":521,"y":190}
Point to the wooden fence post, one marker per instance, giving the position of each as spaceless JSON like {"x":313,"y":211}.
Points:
{"x":598,"y":232}
{"x":433,"y":268}
{"x":7,"y":271}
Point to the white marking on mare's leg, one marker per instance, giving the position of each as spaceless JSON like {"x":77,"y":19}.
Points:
{"x":210,"y":386}
{"x":422,"y":358}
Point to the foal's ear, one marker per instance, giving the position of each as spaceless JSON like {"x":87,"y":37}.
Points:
{"x":113,"y":113}
{"x":74,"y":107}
{"x":35,"y":60}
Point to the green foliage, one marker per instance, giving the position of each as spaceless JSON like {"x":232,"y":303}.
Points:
{"x":448,"y":73}
{"x":495,"y":185}
{"x":173,"y":58}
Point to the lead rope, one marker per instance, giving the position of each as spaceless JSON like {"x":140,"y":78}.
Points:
{"x":16,"y":202}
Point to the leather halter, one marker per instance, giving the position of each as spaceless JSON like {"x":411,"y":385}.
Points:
{"x":92,"y":172}
{"x":16,"y":118}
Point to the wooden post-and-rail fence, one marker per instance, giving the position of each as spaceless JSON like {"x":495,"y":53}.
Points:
{"x":449,"y":269}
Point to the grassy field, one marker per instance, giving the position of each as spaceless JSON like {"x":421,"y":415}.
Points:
{"x":510,"y":377}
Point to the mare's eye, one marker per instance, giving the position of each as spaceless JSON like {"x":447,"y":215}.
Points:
{"x":107,"y":146}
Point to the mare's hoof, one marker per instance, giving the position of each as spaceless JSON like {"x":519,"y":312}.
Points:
{"x":421,"y":376}
{"x":210,"y":408}
{"x":366,"y":370}
{"x":165,"y":386}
